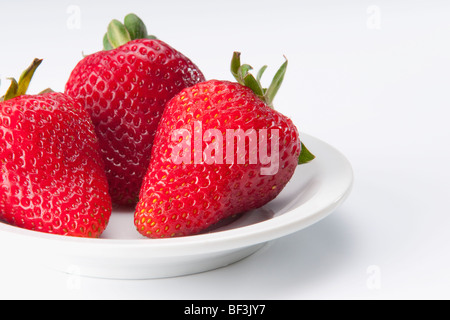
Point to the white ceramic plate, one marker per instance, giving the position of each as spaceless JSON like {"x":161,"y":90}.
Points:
{"x":315,"y":190}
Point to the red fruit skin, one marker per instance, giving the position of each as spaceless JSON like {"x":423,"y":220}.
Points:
{"x":125,"y":91}
{"x":51,"y":173}
{"x":185,"y":199}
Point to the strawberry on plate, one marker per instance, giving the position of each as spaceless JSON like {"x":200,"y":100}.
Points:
{"x":220,"y":150}
{"x":52,"y":177}
{"x":125,"y":88}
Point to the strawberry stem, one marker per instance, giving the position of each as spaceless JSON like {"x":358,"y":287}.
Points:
{"x":20,"y":88}
{"x":242,"y":75}
{"x":119,"y":33}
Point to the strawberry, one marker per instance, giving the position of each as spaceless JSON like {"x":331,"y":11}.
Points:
{"x":203,"y":169}
{"x":125,"y":88}
{"x":51,"y":174}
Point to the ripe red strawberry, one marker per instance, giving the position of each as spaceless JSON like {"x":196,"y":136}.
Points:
{"x":198,"y":175}
{"x":125,"y":88}
{"x":52,"y":177}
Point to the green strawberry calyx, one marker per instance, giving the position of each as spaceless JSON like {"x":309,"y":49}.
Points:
{"x":119,"y":33}
{"x":19,"y":88}
{"x":241,"y":73}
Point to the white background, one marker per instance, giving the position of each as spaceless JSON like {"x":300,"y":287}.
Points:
{"x":371,"y":78}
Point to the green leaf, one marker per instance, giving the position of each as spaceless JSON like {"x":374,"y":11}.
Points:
{"x":12,"y":90}
{"x":117,"y":34}
{"x":235,"y":65}
{"x":250,"y":82}
{"x":276,"y":84}
{"x":25,"y":78}
{"x":19,"y":88}
{"x":106,"y":44}
{"x":260,"y":73}
{"x":305,"y":155}
{"x":243,"y":71}
{"x":135,"y":27}
{"x":120,"y":33}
